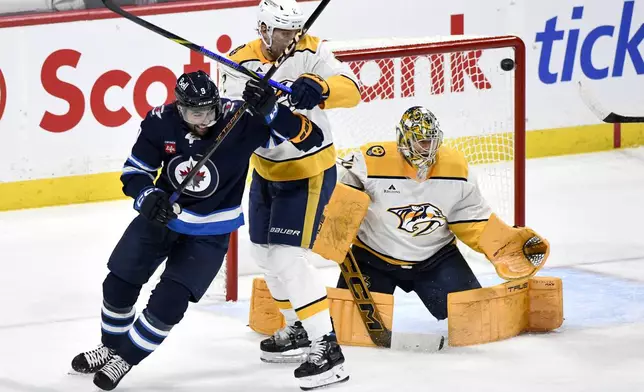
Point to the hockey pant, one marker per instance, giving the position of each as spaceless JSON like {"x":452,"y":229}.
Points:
{"x":283,"y":218}
{"x":445,"y":272}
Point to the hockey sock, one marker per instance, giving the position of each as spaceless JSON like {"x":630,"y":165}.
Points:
{"x":115,"y":323}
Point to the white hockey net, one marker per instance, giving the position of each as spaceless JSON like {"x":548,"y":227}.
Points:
{"x":481,"y":109}
{"x":461,"y":81}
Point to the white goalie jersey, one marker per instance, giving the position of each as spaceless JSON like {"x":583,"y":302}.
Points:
{"x":280,"y":160}
{"x":408,"y":221}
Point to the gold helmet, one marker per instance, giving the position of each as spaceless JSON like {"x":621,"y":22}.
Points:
{"x":419,"y":136}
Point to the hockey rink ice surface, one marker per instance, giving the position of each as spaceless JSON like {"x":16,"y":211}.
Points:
{"x":590,"y":208}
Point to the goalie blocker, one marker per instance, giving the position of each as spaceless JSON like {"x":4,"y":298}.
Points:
{"x":476,"y":316}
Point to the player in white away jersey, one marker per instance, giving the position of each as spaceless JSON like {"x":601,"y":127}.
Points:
{"x":290,"y":189}
{"x":422,"y":199}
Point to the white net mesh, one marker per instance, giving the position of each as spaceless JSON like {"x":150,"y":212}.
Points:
{"x":469,"y":93}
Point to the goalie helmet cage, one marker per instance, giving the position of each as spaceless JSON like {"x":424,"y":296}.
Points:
{"x":474,"y":85}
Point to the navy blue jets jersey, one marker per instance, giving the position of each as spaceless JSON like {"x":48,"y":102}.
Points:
{"x":211,"y":204}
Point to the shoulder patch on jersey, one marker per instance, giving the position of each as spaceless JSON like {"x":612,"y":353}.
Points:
{"x":237,"y":49}
{"x":157,"y":111}
{"x":247,"y":52}
{"x":376,"y":151}
{"x":383,"y":160}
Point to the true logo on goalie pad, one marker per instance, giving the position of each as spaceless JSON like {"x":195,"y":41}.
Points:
{"x":419,"y":219}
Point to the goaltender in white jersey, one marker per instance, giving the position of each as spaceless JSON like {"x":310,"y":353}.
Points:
{"x":421,"y":199}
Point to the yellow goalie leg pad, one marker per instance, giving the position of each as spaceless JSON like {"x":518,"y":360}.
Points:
{"x":340,"y":222}
{"x":516,"y":253}
{"x":503,"y":311}
{"x":264,"y":316}
{"x":349,"y":327}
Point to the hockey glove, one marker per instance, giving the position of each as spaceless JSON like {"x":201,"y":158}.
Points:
{"x":308,"y":91}
{"x":262,"y":100}
{"x":154,"y":205}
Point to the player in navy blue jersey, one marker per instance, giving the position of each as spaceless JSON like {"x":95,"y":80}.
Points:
{"x":193,"y":234}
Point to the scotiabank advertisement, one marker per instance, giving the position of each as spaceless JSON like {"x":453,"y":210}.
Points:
{"x":73,"y":94}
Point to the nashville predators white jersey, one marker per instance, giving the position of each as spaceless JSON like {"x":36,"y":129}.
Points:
{"x":409,"y":221}
{"x":280,"y":160}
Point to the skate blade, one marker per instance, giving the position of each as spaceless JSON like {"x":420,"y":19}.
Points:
{"x":333,"y":376}
{"x":292,"y":356}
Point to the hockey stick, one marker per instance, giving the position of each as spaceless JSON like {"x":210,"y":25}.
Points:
{"x":378,"y":332}
{"x":290,"y":49}
{"x":604,"y":115}
{"x":199,"y":49}
{"x":370,"y":315}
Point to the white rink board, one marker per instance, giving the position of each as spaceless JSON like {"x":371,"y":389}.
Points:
{"x":117,"y":44}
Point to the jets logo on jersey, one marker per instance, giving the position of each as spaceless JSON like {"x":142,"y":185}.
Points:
{"x":203,"y":185}
{"x":419,"y":219}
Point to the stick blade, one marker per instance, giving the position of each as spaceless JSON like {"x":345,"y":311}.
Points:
{"x":417,"y":342}
{"x":618,"y":118}
{"x":608,"y":117}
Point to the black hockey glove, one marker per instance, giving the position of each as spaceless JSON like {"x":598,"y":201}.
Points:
{"x":154,"y":205}
{"x":308,"y":91}
{"x":261,"y":98}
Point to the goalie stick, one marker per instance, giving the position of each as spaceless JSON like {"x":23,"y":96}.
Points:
{"x":199,"y":49}
{"x":378,"y":332}
{"x":608,"y":117}
{"x":290,"y":49}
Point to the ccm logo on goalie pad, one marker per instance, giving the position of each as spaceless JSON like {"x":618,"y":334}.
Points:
{"x":419,"y":219}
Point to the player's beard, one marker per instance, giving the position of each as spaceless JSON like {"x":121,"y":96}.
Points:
{"x":198,"y":130}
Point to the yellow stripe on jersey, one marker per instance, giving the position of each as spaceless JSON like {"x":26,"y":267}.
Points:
{"x":250,"y":52}
{"x":253,"y":50}
{"x":379,"y":255}
{"x":343,"y":93}
{"x":384,"y":160}
{"x":312,"y":203}
{"x":469,"y":232}
{"x":450,"y":163}
{"x":295,"y":169}
{"x":283,"y":304}
{"x":312,"y":308}
{"x":305,"y":129}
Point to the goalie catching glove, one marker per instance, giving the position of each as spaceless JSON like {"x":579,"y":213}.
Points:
{"x":515,"y":252}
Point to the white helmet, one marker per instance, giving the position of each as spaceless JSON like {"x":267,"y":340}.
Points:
{"x":278,"y":14}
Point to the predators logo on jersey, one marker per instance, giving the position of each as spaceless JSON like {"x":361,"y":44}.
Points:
{"x":419,"y":219}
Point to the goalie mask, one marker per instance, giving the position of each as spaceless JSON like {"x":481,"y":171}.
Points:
{"x":198,"y":101}
{"x":282,"y":20}
{"x":418,"y":138}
